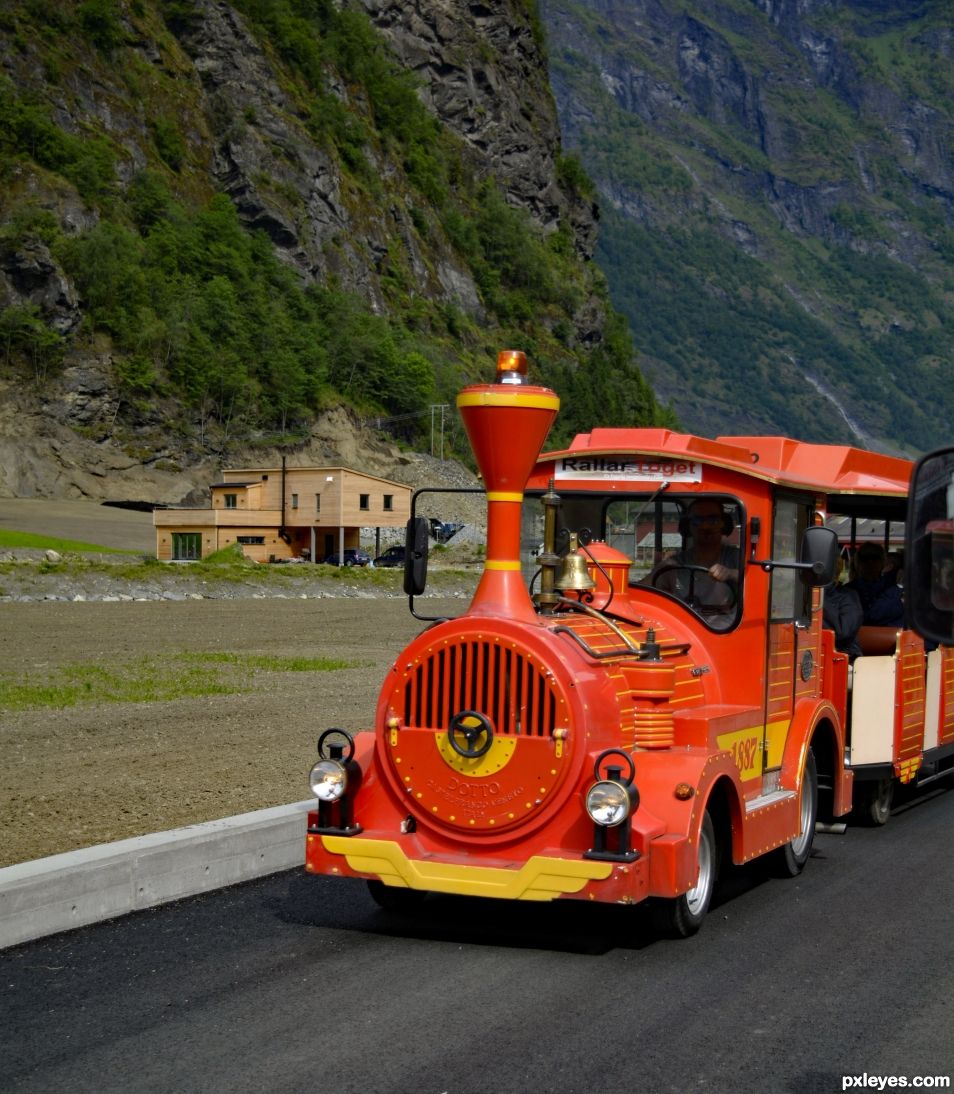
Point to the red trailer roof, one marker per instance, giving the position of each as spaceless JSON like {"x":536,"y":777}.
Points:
{"x":828,"y":469}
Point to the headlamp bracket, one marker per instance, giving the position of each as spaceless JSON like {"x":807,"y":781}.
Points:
{"x":622,"y":832}
{"x":336,"y":818}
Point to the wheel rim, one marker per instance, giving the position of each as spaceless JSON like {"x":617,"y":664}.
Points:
{"x":698,"y":896}
{"x":881,"y":806}
{"x":806,"y":815}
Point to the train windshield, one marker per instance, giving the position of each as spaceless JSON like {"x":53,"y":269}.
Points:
{"x":687,"y":548}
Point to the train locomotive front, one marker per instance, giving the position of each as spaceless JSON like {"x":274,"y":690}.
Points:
{"x":507,"y":758}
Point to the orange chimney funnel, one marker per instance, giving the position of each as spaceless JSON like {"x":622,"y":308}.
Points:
{"x":507,"y":423}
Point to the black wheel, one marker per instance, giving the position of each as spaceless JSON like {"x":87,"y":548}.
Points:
{"x":393,"y":899}
{"x":874,"y":802}
{"x":470,"y":734}
{"x":690,"y":597}
{"x":683,"y":916}
{"x":690,"y":570}
{"x":789,"y":861}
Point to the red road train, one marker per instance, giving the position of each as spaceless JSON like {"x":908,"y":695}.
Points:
{"x":642,"y":688}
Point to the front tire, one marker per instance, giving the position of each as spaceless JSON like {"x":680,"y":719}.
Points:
{"x":683,"y":916}
{"x":789,"y":861}
{"x":394,"y":899}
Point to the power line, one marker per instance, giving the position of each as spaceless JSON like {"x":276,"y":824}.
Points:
{"x":445,"y":426}
{"x":379,"y":423}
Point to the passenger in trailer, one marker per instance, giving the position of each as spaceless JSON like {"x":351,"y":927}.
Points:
{"x":877,"y":587}
{"x":704,"y":528}
{"x":842,"y":613}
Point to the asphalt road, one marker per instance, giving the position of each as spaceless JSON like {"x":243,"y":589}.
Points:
{"x":297,"y":984}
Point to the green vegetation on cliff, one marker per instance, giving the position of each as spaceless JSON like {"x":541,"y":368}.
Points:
{"x":778,"y":203}
{"x":108,"y":176}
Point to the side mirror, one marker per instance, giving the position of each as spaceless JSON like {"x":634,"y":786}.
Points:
{"x":415,"y":555}
{"x":819,"y":556}
{"x":818,"y":559}
{"x":929,"y":548}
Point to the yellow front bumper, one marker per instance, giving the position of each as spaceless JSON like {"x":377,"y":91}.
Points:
{"x":540,"y":878}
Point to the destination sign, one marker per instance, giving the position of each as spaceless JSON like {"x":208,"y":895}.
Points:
{"x":628,"y":468}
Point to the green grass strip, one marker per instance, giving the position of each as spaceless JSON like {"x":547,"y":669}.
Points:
{"x":148,"y":680}
{"x":10,"y":538}
{"x":272,"y":664}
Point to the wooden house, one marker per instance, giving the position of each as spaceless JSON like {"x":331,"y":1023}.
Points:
{"x":280,"y":513}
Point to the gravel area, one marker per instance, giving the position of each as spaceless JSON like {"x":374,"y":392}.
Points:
{"x":28,"y":576}
{"x":96,"y":744}
{"x":95,"y":771}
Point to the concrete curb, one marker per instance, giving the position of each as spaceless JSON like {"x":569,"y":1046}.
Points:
{"x":61,"y":892}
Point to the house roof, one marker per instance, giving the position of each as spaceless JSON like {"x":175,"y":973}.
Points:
{"x":259,"y":471}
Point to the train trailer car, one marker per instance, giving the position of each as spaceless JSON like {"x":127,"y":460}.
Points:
{"x":649,"y":694}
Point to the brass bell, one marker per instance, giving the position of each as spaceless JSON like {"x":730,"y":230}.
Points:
{"x":573,"y":574}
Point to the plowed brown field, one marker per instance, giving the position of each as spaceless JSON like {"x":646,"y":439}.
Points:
{"x":101,"y":770}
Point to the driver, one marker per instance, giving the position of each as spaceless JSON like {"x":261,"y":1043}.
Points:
{"x":704,"y":528}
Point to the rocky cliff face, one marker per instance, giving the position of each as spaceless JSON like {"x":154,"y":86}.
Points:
{"x":811,"y":139}
{"x":741,"y":69}
{"x":482,"y":72}
{"x":485,"y":76}
{"x":196,"y":91}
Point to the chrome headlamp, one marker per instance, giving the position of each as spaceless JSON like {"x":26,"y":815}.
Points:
{"x":608,"y":803}
{"x":328,"y":780}
{"x":334,"y":780}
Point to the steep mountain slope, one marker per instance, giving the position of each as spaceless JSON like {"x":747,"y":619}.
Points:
{"x":219,"y":220}
{"x":777,"y":184}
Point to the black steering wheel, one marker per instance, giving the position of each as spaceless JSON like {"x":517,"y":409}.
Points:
{"x":690,"y":597}
{"x":470,"y":725}
{"x":674,"y":568}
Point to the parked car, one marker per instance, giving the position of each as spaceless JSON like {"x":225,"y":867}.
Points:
{"x":393,"y":556}
{"x":353,"y":556}
{"x":443,"y":530}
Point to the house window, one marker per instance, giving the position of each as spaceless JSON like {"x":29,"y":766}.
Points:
{"x":294,"y":501}
{"x":186,"y":546}
{"x":250,"y":540}
{"x":388,"y":502}
{"x":364,"y":501}
{"x":317,"y":503}
{"x":231,"y":501}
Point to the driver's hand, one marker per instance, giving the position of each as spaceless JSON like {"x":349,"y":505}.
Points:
{"x":718,"y":572}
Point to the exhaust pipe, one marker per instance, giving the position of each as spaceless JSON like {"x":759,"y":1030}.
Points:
{"x":506,"y":423}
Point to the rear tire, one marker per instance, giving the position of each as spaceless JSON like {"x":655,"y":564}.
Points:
{"x":789,"y":861}
{"x":683,"y":916}
{"x":874,"y":804}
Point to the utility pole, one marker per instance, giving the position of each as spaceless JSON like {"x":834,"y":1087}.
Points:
{"x":441,"y":407}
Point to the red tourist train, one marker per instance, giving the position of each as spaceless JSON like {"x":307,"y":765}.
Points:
{"x":642,"y":688}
